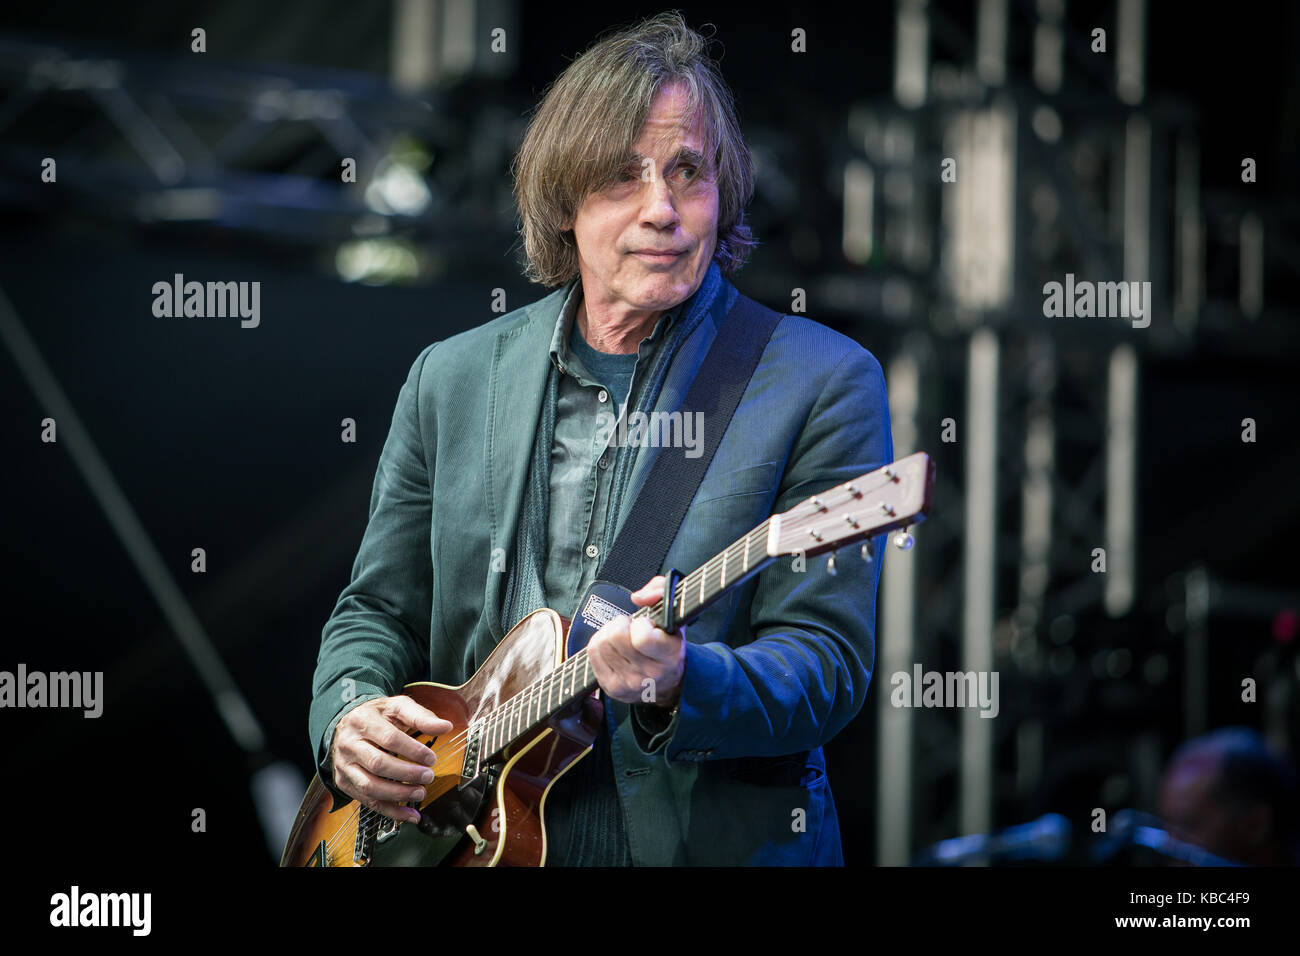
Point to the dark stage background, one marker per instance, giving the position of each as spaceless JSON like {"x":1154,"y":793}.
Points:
{"x":225,"y":165}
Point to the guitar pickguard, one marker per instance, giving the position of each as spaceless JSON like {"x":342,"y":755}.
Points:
{"x":442,"y":826}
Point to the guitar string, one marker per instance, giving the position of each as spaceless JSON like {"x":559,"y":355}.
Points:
{"x":508,"y":710}
{"x":511,"y":708}
{"x":518,"y":705}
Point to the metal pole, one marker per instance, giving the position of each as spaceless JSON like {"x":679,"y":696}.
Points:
{"x":897,"y":644}
{"x":979,"y":575}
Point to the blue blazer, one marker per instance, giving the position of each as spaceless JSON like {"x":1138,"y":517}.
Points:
{"x":773,"y":671}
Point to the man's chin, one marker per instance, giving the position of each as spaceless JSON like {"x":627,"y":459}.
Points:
{"x":669,"y":287}
{"x":660,"y":300}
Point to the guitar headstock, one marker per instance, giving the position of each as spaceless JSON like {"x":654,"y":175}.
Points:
{"x":891,"y":497}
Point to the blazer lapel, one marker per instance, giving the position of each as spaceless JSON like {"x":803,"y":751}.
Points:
{"x":520,"y":360}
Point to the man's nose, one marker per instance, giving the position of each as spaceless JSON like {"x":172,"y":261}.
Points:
{"x":658,"y":208}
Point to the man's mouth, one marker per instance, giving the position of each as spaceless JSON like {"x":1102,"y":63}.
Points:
{"x":658,"y":255}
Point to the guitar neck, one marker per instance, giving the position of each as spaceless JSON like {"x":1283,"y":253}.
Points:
{"x":893,"y":496}
{"x":575,"y":679}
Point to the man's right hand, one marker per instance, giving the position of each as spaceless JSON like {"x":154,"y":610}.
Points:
{"x":376,"y":760}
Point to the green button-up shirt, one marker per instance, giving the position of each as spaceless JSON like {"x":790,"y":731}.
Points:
{"x":583,"y":813}
{"x":582,"y":459}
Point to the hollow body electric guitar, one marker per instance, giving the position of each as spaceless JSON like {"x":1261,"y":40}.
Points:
{"x":532,"y":711}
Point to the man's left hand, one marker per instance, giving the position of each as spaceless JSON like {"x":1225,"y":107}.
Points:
{"x":636,"y":662}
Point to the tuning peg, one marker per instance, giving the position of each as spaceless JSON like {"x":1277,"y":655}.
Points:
{"x":904,"y":541}
{"x":830,"y":565}
{"x":866,"y":553}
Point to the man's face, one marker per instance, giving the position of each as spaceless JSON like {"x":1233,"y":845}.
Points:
{"x":645,"y":242}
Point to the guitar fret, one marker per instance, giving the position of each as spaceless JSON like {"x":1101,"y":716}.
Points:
{"x":563,"y":686}
{"x":551,"y":692}
{"x":575,"y":675}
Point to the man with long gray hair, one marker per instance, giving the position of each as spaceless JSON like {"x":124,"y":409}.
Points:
{"x":501,"y":488}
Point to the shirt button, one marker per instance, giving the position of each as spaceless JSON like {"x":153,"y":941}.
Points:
{"x":592,"y":550}
{"x":603,"y":463}
{"x":602,"y":395}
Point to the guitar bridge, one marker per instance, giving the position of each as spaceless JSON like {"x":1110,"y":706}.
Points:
{"x":363,"y":849}
{"x":469,"y":768}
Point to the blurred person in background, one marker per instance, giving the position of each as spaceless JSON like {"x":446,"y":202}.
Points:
{"x":1228,"y":793}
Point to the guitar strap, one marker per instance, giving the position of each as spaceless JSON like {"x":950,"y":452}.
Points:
{"x":651,"y":525}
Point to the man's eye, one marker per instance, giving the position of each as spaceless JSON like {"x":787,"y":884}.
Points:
{"x":694,"y":172}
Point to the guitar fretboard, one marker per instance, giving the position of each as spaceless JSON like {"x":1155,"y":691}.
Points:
{"x":574,"y":679}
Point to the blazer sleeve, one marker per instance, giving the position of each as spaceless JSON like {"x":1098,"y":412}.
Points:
{"x":377,"y":638}
{"x":805,"y":674}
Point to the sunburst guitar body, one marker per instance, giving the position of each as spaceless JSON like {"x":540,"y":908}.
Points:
{"x":493,"y":817}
